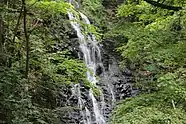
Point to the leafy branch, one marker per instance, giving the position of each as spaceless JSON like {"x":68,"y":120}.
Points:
{"x":163,"y":6}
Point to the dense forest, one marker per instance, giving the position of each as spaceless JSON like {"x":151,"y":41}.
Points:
{"x":93,"y":62}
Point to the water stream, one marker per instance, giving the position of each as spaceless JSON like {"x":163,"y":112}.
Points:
{"x":92,"y":58}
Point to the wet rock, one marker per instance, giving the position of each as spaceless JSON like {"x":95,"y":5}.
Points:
{"x":99,"y":70}
{"x":135,"y":92}
{"x":72,"y":34}
{"x":127,"y":72}
{"x":129,"y":79}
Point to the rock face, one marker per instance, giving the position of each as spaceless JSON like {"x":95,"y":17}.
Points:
{"x":121,"y":80}
{"x":115,"y":84}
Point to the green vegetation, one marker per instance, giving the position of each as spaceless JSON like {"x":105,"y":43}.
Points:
{"x":37,"y":61}
{"x":155,"y":51}
{"x":94,"y":9}
{"x":164,"y":106}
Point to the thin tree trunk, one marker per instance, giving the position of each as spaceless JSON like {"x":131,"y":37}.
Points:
{"x":1,"y":33}
{"x":17,"y":25}
{"x":1,"y":40}
{"x":26,"y":38}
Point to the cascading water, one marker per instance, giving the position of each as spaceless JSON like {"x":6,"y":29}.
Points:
{"x":86,"y":114}
{"x":92,"y":58}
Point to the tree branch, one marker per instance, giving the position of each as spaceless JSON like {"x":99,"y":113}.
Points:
{"x":10,"y":10}
{"x":163,"y":6}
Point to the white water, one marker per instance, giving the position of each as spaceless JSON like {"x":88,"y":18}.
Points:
{"x":92,"y":58}
{"x":86,"y":115}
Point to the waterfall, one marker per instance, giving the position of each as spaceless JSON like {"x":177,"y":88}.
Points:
{"x":92,"y":58}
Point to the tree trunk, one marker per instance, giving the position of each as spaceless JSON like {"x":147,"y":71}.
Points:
{"x":26,"y":38}
{"x":1,"y":34}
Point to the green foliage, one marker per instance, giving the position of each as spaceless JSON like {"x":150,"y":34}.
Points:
{"x":156,"y":43}
{"x":53,"y":7}
{"x":167,"y":105}
{"x":94,"y":9}
{"x":52,"y":65}
{"x":16,"y":101}
{"x":156,"y":46}
{"x":96,"y":13}
{"x":150,"y":115}
{"x":156,"y":38}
